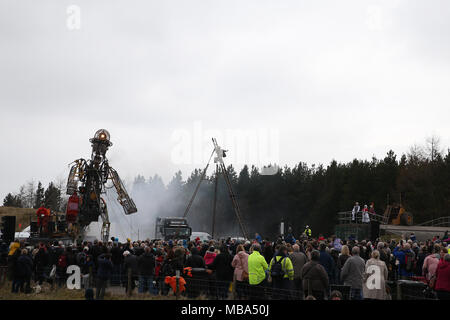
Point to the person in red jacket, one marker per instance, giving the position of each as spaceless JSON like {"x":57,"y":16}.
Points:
{"x":442,"y":284}
{"x":43,"y":215}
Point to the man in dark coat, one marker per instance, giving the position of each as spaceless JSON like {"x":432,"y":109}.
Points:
{"x":131,"y":269}
{"x":328,"y":263}
{"x":195,"y":260}
{"x":146,"y":265}
{"x":41,"y":263}
{"x":196,"y":284}
{"x":24,"y":271}
{"x":224,"y":271}
{"x":315,"y":278}
{"x":117,"y":260}
{"x":104,"y":272}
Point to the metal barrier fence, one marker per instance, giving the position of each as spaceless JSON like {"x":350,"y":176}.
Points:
{"x":345,"y":217}
{"x":438,"y":222}
{"x":202,"y":284}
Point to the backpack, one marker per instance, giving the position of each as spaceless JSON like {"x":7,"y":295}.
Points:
{"x":168,"y":269}
{"x":62,"y":261}
{"x":409,"y":261}
{"x":81,"y":258}
{"x":277,"y":271}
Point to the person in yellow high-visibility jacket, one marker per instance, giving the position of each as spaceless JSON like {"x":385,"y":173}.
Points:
{"x":13,"y":247}
{"x":257,"y":267}
{"x":282,"y":273}
{"x":307,"y":231}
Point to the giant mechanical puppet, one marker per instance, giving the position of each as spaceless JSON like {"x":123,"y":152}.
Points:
{"x":86,"y":185}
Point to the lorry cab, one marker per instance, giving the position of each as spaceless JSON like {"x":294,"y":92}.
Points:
{"x":172,"y":228}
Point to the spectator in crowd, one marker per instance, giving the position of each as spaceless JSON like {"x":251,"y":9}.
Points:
{"x":422,"y":254}
{"x":336,"y":295}
{"x":105,"y":269}
{"x":131,"y":270}
{"x":345,"y":254}
{"x":117,"y":261}
{"x":282,"y":274}
{"x":268,"y":251}
{"x":257,"y":267}
{"x":210,"y":255}
{"x":223,"y":272}
{"x":412,"y":258}
{"x":315,"y":278}
{"x":442,"y":284}
{"x":240,"y":265}
{"x":61,"y":265}
{"x":405,"y":257}
{"x":41,"y":261}
{"x":87,"y":271}
{"x":352,"y":274}
{"x":337,"y":243}
{"x":376,"y":274}
{"x":298,"y":259}
{"x":195,"y":260}
{"x":384,"y":256}
{"x":146,"y":265}
{"x":195,"y":284}
{"x":24,"y":271}
{"x":327,"y":262}
{"x":13,"y":271}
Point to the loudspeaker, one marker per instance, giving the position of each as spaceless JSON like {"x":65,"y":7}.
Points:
{"x":51,"y":227}
{"x":34,"y":227}
{"x":61,"y":226}
{"x":8,"y":228}
{"x":374,"y":230}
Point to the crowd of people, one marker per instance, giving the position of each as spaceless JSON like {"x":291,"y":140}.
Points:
{"x":305,"y":268}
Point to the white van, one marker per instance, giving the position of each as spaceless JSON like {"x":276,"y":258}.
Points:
{"x":202,"y":235}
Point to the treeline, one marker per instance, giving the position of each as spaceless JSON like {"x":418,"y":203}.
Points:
{"x":419,"y":180}
{"x":31,"y":195}
{"x":299,"y":195}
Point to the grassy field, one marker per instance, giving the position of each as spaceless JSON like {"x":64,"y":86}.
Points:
{"x":112,"y":293}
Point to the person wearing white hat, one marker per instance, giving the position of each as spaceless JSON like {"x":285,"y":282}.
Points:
{"x":131,"y":269}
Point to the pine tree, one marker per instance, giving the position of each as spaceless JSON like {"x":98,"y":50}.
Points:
{"x":12,"y":201}
{"x":39,"y":196}
{"x":52,"y":197}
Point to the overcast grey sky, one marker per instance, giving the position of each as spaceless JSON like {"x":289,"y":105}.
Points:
{"x":334,"y":80}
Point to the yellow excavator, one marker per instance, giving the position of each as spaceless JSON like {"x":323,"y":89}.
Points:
{"x":396,"y":214}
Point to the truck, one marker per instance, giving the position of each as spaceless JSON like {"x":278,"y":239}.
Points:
{"x":169,"y":228}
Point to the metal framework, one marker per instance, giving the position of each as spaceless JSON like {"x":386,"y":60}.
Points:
{"x":346,"y":217}
{"x":87,"y":178}
{"x":220,"y":168}
{"x":438,"y":222}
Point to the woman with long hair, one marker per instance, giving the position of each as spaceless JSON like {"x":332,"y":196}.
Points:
{"x":240,"y":265}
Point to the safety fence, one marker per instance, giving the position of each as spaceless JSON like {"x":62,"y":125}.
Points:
{"x":199,"y":284}
{"x":347,"y":217}
{"x":438,"y":222}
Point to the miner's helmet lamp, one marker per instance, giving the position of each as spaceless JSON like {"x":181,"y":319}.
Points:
{"x":102,"y":135}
